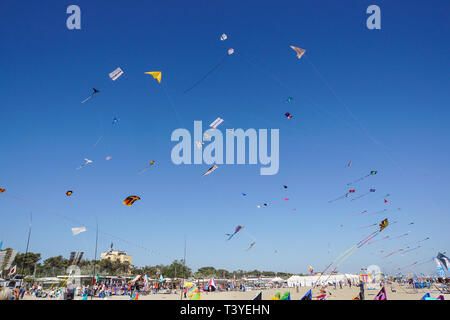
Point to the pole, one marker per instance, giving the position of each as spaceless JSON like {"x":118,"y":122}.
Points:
{"x":95,"y":258}
{"x":28,"y":243}
{"x":184,"y":265}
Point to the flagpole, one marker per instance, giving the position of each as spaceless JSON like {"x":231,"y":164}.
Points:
{"x":95,"y":257}
{"x":28,"y":243}
{"x":184,"y":265}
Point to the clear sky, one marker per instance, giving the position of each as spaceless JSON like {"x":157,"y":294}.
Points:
{"x":378,"y":98}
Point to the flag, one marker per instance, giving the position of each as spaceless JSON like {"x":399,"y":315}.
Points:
{"x":426,"y":296}
{"x":96,"y":279}
{"x":307,"y":296}
{"x":286,"y":296}
{"x":276,"y":297}
{"x":258,"y":296}
{"x":13,"y":270}
{"x":135,"y":296}
{"x":381,"y":295}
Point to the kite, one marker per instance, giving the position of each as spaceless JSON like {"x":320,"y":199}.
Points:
{"x":384,"y":224}
{"x":86,"y":162}
{"x":129,"y":201}
{"x":251,"y":246}
{"x":69,"y":193}
{"x":343,"y":256}
{"x":286,"y":199}
{"x":300,"y":52}
{"x":116,"y":74}
{"x":364,"y":194}
{"x":265,"y":205}
{"x":372,"y":173}
{"x":238,"y":228}
{"x":115,"y":121}
{"x":307,"y":296}
{"x":156,"y":75}
{"x":216,"y":123}
{"x":385,"y":201}
{"x":207,"y":137}
{"x":288,"y":115}
{"x":230,"y":52}
{"x":244,"y":194}
{"x":79,"y":230}
{"x":108,"y":158}
{"x":151,"y":163}
{"x":289,"y":99}
{"x":349,"y":164}
{"x":95,"y":91}
{"x":285,"y":187}
{"x":199,"y":144}
{"x":343,"y":196}
{"x":214,"y":167}
{"x":444,"y":260}
{"x":381,"y":295}
{"x":223,"y":37}
{"x":2,"y":190}
{"x":424,"y":239}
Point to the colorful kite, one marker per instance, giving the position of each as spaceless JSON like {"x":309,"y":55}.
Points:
{"x":364,"y":194}
{"x":384,"y":224}
{"x":156,"y":75}
{"x":129,"y":201}
{"x":238,"y":228}
{"x":2,"y":190}
{"x":444,"y":260}
{"x":108,"y":158}
{"x":343,"y":196}
{"x":116,"y":74}
{"x":214,"y":167}
{"x":289,"y":100}
{"x":69,"y":193}
{"x":288,"y":115}
{"x":372,"y":173}
{"x":349,"y":164}
{"x":300,"y":52}
{"x":151,"y":163}
{"x":95,"y":91}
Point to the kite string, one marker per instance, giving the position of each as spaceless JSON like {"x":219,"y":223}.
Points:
{"x":208,"y":73}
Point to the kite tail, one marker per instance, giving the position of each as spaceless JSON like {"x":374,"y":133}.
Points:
{"x":87,"y":98}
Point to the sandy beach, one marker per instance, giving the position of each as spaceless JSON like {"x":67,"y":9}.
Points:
{"x":345,"y":293}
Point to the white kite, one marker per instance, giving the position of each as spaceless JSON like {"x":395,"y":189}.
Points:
{"x":86,"y":162}
{"x":199,"y":144}
{"x":299,"y":51}
{"x":223,"y":37}
{"x":230,"y":51}
{"x":216,"y":123}
{"x":79,"y":230}
{"x":116,"y":74}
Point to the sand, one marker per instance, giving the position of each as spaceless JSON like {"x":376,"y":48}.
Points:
{"x":346,"y":293}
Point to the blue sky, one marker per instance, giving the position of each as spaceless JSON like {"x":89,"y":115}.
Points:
{"x":387,"y":110}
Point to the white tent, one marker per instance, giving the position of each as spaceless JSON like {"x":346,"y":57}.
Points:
{"x":309,"y":281}
{"x":277,"y":279}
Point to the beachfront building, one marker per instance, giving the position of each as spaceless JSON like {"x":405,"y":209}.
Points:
{"x":116,"y":255}
{"x":309,"y":281}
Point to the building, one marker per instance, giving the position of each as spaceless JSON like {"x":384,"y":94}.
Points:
{"x":116,"y":255}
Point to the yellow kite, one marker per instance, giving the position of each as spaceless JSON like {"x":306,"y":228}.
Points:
{"x":156,"y":75}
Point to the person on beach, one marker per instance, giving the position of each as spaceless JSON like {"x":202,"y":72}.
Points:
{"x":361,"y":290}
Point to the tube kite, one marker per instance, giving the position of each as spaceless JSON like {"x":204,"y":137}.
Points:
{"x":216,"y":123}
{"x":116,"y":74}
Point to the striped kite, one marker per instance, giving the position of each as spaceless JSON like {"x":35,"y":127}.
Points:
{"x":129,"y":201}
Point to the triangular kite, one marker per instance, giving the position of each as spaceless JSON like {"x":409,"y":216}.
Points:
{"x":381,"y":295}
{"x":156,"y":75}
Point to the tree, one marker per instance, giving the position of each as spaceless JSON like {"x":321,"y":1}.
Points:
{"x":176,"y":270}
{"x":206,"y":272}
{"x":27,"y":261}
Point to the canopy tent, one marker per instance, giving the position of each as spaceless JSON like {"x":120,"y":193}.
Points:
{"x":277,"y":279}
{"x":212,"y":283}
{"x":309,"y":281}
